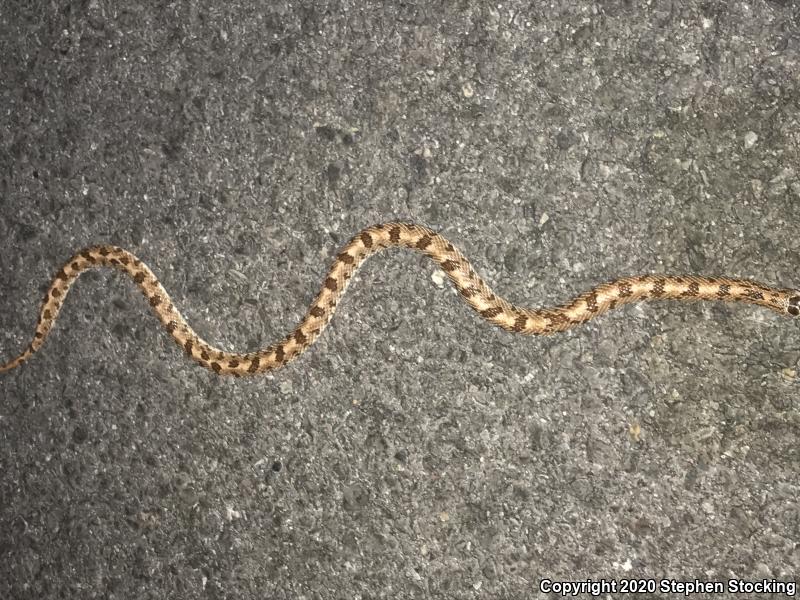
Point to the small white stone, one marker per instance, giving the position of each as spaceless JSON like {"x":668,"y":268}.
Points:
{"x":543,"y":219}
{"x":750,"y":139}
{"x":468,"y":90}
{"x":626,"y":566}
{"x":438,"y":278}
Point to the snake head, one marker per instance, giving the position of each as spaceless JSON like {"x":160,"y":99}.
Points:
{"x":793,"y":306}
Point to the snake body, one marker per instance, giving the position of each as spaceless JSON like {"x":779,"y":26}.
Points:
{"x":474,"y":290}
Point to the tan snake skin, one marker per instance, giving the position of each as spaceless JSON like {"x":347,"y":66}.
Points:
{"x":475,"y":291}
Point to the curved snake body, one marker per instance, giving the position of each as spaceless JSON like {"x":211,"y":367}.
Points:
{"x":473,"y":289}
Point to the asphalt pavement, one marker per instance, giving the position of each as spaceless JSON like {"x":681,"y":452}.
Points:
{"x":414,"y":451}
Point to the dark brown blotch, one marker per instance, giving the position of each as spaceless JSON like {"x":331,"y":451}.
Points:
{"x":658,"y":288}
{"x":724,"y":290}
{"x":556,"y":319}
{"x":331,"y":284}
{"x":793,"y":306}
{"x":188,"y":347}
{"x":139,"y":277}
{"x":155,"y":300}
{"x":624,"y":289}
{"x":467,"y":292}
{"x":520,"y":323}
{"x":346,"y":258}
{"x":316,"y":311}
{"x":87,"y":254}
{"x":170,"y":327}
{"x":492,"y":312}
{"x":366,"y":239}
{"x":62,"y":275}
{"x":47,"y":314}
{"x":754,"y":294}
{"x":233,"y":363}
{"x":450,"y":265}
{"x":394,"y":234}
{"x":204,"y":355}
{"x":300,"y":337}
{"x":692,"y":290}
{"x":280,"y":355}
{"x":254,"y":365}
{"x":216,"y":367}
{"x":424,"y":242}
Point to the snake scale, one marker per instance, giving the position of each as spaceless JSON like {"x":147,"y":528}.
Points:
{"x":473,"y":289}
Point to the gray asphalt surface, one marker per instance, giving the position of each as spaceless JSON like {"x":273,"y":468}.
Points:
{"x":414,"y":451}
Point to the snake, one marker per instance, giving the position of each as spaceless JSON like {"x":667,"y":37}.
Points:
{"x":368,"y":242}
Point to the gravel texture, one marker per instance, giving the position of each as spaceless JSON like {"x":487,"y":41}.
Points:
{"x":414,"y":451}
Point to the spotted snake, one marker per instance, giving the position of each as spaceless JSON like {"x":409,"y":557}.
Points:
{"x":473,"y":289}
